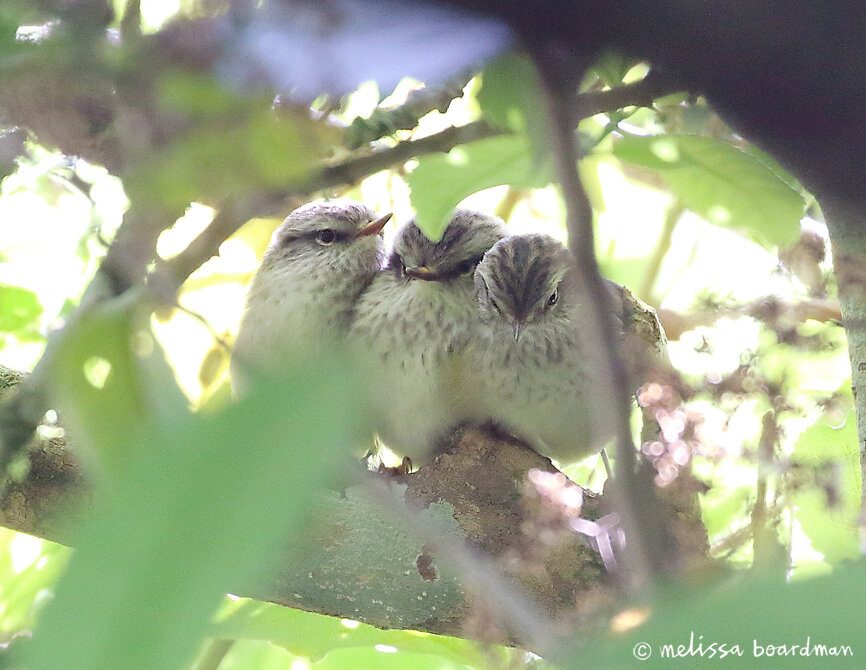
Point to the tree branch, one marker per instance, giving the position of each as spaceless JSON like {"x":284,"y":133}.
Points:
{"x":169,"y":275}
{"x":646,"y":547}
{"x":639,"y":94}
{"x":776,"y":313}
{"x":383,"y":122}
{"x":480,"y":486}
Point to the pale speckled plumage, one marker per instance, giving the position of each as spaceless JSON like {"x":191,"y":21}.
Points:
{"x":540,"y":385}
{"x":411,"y":329}
{"x":303,"y":295}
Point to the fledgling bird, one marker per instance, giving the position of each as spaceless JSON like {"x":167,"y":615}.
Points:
{"x":414,"y":319}
{"x":531,"y":366}
{"x":302,"y":297}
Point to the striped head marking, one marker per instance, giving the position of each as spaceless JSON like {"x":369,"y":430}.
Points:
{"x":468,"y":236}
{"x":520,"y":281}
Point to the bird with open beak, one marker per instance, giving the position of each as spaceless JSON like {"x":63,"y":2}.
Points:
{"x":302,"y":298}
{"x":413,"y":320}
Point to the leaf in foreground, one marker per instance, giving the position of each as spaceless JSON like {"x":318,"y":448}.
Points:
{"x":202,"y":506}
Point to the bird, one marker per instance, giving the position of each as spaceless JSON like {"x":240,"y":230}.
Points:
{"x":412,"y":322}
{"x":530,"y":366}
{"x":302,"y":297}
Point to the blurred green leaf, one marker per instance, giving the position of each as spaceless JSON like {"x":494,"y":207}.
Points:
{"x":385,"y":658}
{"x":765,"y":159}
{"x":510,"y":95}
{"x":511,"y":98}
{"x":440,"y":182}
{"x":25,"y":587}
{"x":829,"y":516}
{"x":255,"y":655}
{"x":721,"y":183}
{"x":106,"y":364}
{"x":201,"y":505}
{"x":12,"y":14}
{"x":745,"y":610}
{"x":230,"y":146}
{"x":612,"y":67}
{"x":721,"y":506}
{"x":19,"y":308}
{"x":314,"y":636}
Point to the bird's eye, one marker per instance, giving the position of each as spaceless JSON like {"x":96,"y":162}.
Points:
{"x":468,"y":266}
{"x":396,"y":264}
{"x":326,"y":237}
{"x":551,"y":301}
{"x":465,"y":267}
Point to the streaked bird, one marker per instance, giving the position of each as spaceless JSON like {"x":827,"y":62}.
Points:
{"x":531,"y":366}
{"x":303,"y":296}
{"x":413,"y":321}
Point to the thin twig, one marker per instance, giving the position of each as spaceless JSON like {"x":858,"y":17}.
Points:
{"x":639,"y":94}
{"x":169,"y":275}
{"x":384,"y":122}
{"x":672,"y":216}
{"x":214,"y":654}
{"x":646,"y":553}
{"x":762,"y":547}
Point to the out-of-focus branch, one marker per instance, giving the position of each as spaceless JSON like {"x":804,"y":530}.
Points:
{"x":647,"y":547}
{"x":169,"y":275}
{"x":770,"y":310}
{"x":639,"y":94}
{"x":384,"y":122}
{"x":672,"y":216}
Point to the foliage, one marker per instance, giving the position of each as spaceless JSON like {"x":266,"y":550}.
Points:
{"x":191,"y":502}
{"x":722,"y":184}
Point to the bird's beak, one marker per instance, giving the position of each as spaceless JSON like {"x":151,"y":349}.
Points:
{"x":517,"y":327}
{"x":374,"y":228}
{"x":422,"y":272}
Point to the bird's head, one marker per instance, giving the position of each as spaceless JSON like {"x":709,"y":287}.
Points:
{"x":525,"y":280}
{"x":340,"y":235}
{"x":468,"y":236}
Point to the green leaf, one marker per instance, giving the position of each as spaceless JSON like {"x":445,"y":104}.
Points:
{"x":315,"y":636}
{"x":105,"y":365}
{"x":20,"y":598}
{"x":721,"y":183}
{"x":440,"y":182}
{"x":745,"y":610}
{"x":19,"y":308}
{"x":612,"y":68}
{"x":510,"y":92}
{"x":230,"y":145}
{"x":201,"y":505}
{"x":250,"y":654}
{"x":511,"y":98}
{"x":721,"y":506}
{"x":385,"y":658}
{"x":831,"y":528}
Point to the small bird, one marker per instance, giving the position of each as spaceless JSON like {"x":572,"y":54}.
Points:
{"x":531,"y":366}
{"x":414,"y":319}
{"x":302,"y":297}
